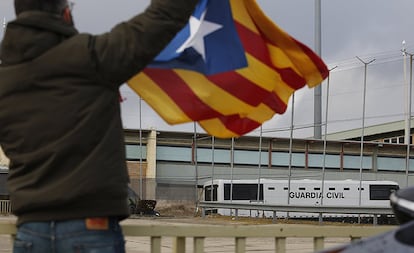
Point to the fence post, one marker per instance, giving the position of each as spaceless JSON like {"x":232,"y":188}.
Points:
{"x":318,"y":243}
{"x":280,"y":245}
{"x":240,"y":244}
{"x":156,"y":244}
{"x":198,"y":244}
{"x":179,"y":245}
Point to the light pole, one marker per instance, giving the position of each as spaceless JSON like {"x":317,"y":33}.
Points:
{"x":318,"y":89}
{"x":260,"y":163}
{"x":231,"y":168}
{"x":291,"y":146}
{"x":325,"y":140}
{"x":213,"y":146}
{"x":409,"y":120}
{"x":408,"y":117}
{"x":363,"y":126}
{"x":195,"y":164}
{"x":141,"y":181}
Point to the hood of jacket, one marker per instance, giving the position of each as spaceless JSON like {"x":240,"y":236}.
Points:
{"x":31,"y":34}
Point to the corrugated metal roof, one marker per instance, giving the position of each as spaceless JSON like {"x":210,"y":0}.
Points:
{"x":370,"y":130}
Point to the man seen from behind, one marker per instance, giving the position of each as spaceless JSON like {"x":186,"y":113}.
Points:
{"x":60,"y":121}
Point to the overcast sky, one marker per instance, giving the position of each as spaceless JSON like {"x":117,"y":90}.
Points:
{"x":369,"y":29}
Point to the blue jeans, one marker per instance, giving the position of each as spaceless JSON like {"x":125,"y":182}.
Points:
{"x":72,"y":236}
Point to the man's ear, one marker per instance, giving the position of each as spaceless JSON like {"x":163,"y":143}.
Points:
{"x":67,"y":16}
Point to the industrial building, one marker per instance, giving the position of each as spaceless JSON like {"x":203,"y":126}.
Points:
{"x":172,"y":166}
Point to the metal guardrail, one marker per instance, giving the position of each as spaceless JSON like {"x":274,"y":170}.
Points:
{"x":199,"y":233}
{"x":297,"y":208}
{"x":5,"y":208}
{"x":355,"y":210}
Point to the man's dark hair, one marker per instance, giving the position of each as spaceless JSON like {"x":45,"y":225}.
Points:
{"x":52,"y":6}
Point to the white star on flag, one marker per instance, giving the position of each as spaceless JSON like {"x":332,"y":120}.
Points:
{"x":199,"y":28}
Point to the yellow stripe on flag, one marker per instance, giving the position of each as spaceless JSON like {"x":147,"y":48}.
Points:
{"x":283,"y":40}
{"x":241,"y":15}
{"x":266,"y":78}
{"x":216,"y":128}
{"x":212,"y":95}
{"x":158,"y":99}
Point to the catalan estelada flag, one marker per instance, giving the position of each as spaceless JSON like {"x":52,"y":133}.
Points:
{"x":230,"y":69}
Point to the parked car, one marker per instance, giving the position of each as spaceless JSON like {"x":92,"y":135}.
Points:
{"x":141,"y":206}
{"x":400,"y":240}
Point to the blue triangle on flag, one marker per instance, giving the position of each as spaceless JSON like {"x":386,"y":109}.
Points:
{"x":223,"y":50}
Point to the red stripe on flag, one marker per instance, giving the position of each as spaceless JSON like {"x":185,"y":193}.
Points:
{"x":317,"y":61}
{"x":275,"y":103}
{"x":238,"y":125}
{"x":248,"y":91}
{"x":240,"y":87}
{"x":256,"y":45}
{"x":181,"y":94}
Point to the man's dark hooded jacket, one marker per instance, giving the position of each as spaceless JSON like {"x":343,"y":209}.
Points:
{"x":60,"y":121}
